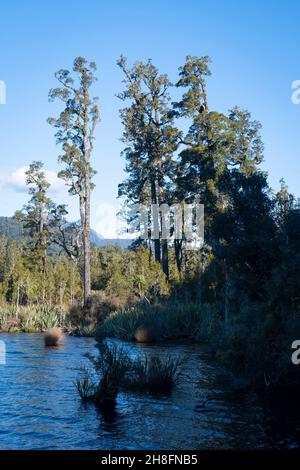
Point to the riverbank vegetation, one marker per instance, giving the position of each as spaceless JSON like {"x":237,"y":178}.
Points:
{"x":30,"y":318}
{"x":237,"y":291}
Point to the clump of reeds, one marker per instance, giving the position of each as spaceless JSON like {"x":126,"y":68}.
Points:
{"x":85,"y":385}
{"x":116,"y":370}
{"x":155,"y":374}
{"x":111,"y":365}
{"x":53,"y":337}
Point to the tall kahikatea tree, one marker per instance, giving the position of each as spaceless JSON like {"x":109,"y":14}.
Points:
{"x":284,"y":286}
{"x":75,"y":131}
{"x":243,"y":230}
{"x":246,"y":147}
{"x":34,"y":215}
{"x":222,"y":152}
{"x":205,"y":155}
{"x":151,"y":138}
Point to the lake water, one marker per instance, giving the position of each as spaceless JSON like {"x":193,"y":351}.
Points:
{"x":40,"y":408}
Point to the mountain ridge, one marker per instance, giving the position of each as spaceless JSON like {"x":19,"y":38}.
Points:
{"x":12,"y":229}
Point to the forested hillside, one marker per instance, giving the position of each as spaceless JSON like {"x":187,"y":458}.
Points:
{"x":11,"y":228}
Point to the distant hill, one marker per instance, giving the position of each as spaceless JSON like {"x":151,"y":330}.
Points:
{"x":13,"y":230}
{"x":99,"y":240}
{"x":123,"y":243}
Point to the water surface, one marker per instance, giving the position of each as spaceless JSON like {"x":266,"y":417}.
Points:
{"x":40,"y":409}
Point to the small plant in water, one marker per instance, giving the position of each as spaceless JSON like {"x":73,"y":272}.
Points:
{"x":111,"y":365}
{"x":85,"y":385}
{"x":156,"y":374}
{"x":53,"y":337}
{"x":116,"y":370}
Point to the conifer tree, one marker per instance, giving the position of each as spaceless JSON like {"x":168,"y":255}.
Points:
{"x":151,"y":139}
{"x":34,"y":215}
{"x":76,"y":126}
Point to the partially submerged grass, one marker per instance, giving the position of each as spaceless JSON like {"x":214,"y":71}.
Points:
{"x":53,"y":337}
{"x":110,"y":367}
{"x":155,"y":374}
{"x":113,"y":361}
{"x":85,"y":385}
{"x":115,"y":370}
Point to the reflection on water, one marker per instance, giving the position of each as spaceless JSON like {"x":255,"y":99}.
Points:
{"x":40,"y":409}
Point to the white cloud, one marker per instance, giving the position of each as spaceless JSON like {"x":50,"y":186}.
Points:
{"x":106,"y":220}
{"x":108,"y":223}
{"x":17,"y":180}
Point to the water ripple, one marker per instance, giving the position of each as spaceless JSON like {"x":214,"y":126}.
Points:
{"x":40,"y":409}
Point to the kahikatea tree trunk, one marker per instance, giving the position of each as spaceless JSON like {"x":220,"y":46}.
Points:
{"x":155,"y":215}
{"x":76,"y":126}
{"x":87,"y":244}
{"x":165,"y":258}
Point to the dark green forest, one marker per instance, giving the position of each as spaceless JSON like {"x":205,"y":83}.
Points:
{"x":239,"y":293}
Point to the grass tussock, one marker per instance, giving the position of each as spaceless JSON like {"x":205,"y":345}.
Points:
{"x":116,"y":370}
{"x":85,"y":386}
{"x":145,"y":334}
{"x":155,"y":374}
{"x":53,"y":337}
{"x":110,"y":368}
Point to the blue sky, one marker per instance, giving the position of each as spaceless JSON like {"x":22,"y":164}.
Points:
{"x":254,"y":46}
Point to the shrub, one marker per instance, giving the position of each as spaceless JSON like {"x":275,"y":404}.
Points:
{"x":98,"y":307}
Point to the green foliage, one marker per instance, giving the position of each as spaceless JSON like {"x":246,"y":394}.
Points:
{"x":129,"y":273}
{"x":170,"y":320}
{"x":35,"y":300}
{"x":35,"y":214}
{"x":11,"y":228}
{"x":29,"y":319}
